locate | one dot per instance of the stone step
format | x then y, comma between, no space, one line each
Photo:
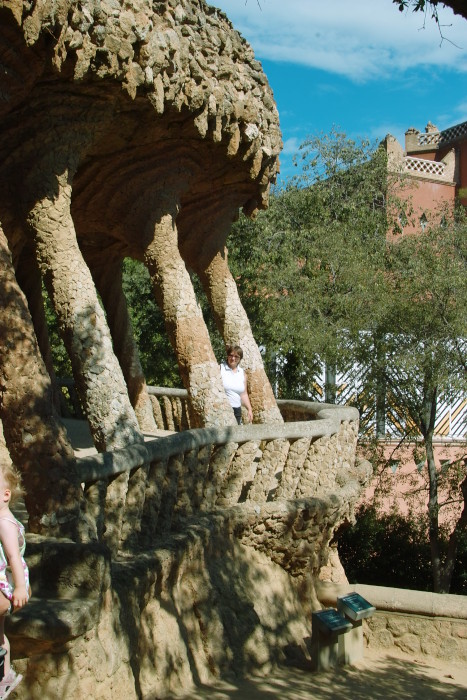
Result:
60,568
46,623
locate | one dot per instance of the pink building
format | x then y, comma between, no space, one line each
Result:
434,164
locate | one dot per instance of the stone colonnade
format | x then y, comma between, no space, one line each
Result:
99,341
138,130
126,131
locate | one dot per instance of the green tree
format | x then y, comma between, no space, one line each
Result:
422,357
391,549
60,359
431,6
321,282
310,266
156,354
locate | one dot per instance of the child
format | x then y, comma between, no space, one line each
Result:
14,574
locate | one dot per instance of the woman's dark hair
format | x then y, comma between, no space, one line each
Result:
234,348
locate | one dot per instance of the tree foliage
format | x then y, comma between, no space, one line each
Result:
60,358
302,267
431,6
424,355
156,354
323,282
390,549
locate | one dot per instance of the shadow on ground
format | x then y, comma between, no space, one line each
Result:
373,679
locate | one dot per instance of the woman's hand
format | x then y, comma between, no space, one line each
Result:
245,399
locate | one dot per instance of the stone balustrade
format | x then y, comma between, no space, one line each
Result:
198,470
424,167
171,413
441,138
220,565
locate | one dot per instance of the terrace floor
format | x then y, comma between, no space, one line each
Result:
378,676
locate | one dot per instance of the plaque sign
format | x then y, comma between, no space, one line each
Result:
355,607
331,621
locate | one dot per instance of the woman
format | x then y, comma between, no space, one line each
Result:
235,383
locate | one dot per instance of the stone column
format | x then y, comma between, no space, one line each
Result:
98,376
35,438
108,279
235,328
30,281
185,325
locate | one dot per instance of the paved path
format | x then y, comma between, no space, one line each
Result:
377,677
80,436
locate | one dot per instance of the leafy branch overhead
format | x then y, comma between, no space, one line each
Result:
459,7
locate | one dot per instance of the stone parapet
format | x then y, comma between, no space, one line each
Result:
403,600
433,139
419,635
276,465
411,622
219,583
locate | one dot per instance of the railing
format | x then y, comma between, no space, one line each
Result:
424,167
196,470
170,407
441,138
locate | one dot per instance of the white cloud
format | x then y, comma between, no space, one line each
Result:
379,131
360,39
461,110
291,146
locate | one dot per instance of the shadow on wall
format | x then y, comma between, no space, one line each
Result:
204,607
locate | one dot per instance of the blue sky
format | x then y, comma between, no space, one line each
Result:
358,65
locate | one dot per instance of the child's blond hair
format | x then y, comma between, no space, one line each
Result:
12,479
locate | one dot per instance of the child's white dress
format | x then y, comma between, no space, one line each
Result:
7,585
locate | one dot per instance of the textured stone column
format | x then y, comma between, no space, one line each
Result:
235,328
185,325
98,376
30,281
36,440
108,279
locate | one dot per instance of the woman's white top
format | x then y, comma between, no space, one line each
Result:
234,384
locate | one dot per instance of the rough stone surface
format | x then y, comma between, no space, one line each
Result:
189,611
139,129
129,113
209,591
423,636
35,440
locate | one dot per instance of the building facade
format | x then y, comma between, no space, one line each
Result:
434,164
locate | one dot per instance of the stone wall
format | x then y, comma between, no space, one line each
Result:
220,590
415,623
418,635
195,609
